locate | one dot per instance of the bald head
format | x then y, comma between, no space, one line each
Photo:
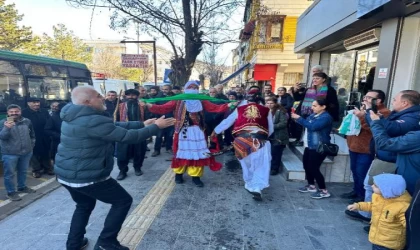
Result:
88,96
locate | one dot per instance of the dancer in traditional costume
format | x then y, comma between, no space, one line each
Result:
191,152
252,125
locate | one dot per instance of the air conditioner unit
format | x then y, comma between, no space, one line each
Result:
363,39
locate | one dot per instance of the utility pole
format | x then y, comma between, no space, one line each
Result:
154,54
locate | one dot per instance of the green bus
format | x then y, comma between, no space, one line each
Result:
49,79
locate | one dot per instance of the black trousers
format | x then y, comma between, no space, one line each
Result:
312,161
276,154
168,133
109,192
135,151
41,163
413,220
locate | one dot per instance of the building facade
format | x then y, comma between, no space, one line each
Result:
267,42
362,41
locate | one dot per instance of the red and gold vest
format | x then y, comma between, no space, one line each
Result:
251,116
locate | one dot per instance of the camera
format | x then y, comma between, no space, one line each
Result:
374,105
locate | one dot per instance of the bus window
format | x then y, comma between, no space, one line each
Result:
35,69
11,91
56,71
55,89
79,72
35,87
9,67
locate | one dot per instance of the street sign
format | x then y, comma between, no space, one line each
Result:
166,76
135,60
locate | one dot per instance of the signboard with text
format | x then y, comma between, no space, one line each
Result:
135,60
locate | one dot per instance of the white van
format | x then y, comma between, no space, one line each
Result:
105,85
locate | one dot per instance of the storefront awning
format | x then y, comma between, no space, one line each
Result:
236,73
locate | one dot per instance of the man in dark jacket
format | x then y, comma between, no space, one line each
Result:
168,132
40,161
85,160
412,217
53,129
111,102
131,111
17,138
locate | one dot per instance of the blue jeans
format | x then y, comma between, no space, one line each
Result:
12,163
359,165
368,195
109,192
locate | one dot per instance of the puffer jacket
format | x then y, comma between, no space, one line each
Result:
18,140
280,135
397,124
318,127
388,220
85,153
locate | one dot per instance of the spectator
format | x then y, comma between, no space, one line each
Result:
111,102
228,137
366,84
407,148
284,99
167,133
280,138
176,90
85,171
342,102
53,129
53,108
17,138
220,94
40,161
268,91
388,206
131,110
318,127
360,156
155,92
212,92
413,220
240,92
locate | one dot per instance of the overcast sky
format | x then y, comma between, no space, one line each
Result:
41,15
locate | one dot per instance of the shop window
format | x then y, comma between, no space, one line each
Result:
271,29
290,79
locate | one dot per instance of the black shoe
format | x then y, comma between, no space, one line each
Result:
366,229
85,243
116,246
356,216
350,195
256,196
36,174
121,176
14,196
156,153
26,190
198,182
356,200
147,149
179,179
138,172
274,172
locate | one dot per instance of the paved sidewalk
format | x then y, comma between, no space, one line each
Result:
222,215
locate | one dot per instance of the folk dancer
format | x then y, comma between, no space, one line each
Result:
191,152
252,125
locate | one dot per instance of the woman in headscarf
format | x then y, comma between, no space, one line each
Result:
190,148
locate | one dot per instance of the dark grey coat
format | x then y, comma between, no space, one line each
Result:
85,153
281,134
18,140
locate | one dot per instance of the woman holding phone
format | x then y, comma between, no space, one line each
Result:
317,130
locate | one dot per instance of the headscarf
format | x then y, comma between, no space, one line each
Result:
192,105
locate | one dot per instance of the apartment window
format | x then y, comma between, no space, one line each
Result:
271,29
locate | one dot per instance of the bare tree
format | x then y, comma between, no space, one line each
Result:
185,24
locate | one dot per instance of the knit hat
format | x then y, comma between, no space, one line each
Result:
132,92
391,185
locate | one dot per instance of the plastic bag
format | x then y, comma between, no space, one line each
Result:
350,125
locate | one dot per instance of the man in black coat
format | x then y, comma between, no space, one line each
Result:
40,161
111,102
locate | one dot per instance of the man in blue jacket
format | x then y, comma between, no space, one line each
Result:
407,148
84,162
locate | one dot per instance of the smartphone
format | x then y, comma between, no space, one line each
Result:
374,106
10,119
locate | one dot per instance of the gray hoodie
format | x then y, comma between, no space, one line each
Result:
18,140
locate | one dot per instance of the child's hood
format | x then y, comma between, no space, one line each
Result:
391,185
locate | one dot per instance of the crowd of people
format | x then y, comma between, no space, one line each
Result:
82,138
